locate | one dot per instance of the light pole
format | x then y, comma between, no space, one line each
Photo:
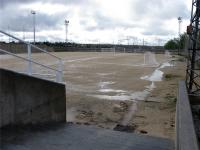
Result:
23,33
179,33
33,13
66,25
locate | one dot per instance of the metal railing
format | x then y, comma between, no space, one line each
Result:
58,72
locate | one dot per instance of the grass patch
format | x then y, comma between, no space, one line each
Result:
170,76
181,59
171,98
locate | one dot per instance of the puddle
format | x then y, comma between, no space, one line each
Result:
81,59
111,91
105,74
105,84
109,97
122,95
157,75
125,95
130,65
166,64
151,87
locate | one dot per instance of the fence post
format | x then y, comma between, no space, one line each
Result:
59,74
29,69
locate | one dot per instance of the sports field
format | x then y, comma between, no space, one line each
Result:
106,89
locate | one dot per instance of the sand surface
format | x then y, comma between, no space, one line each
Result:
106,89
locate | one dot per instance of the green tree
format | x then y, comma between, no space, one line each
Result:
177,43
171,44
183,40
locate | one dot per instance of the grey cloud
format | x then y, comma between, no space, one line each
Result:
160,9
18,20
160,32
4,3
155,11
50,38
103,22
157,28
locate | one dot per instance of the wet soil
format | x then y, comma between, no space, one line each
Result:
106,90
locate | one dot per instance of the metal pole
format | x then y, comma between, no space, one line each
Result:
34,26
33,13
179,33
59,75
66,26
143,42
23,34
194,46
9,36
29,62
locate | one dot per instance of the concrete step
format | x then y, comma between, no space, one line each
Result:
79,137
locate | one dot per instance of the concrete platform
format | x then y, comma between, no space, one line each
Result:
78,137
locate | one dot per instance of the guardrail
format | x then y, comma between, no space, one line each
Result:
58,72
186,138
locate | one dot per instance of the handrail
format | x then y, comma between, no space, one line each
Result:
58,71
26,59
27,43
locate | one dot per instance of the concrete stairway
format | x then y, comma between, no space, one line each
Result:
79,137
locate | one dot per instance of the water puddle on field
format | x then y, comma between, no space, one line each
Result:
106,74
105,84
157,75
123,95
114,97
111,91
119,94
80,59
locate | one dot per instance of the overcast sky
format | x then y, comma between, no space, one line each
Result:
104,21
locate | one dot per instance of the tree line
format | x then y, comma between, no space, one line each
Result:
177,43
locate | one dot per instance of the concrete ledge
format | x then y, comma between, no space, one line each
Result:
186,138
29,100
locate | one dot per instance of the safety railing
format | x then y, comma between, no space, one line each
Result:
58,71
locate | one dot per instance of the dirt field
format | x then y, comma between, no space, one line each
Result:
109,90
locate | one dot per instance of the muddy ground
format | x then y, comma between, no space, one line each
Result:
109,90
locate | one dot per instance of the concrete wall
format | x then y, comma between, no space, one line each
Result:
186,138
29,100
